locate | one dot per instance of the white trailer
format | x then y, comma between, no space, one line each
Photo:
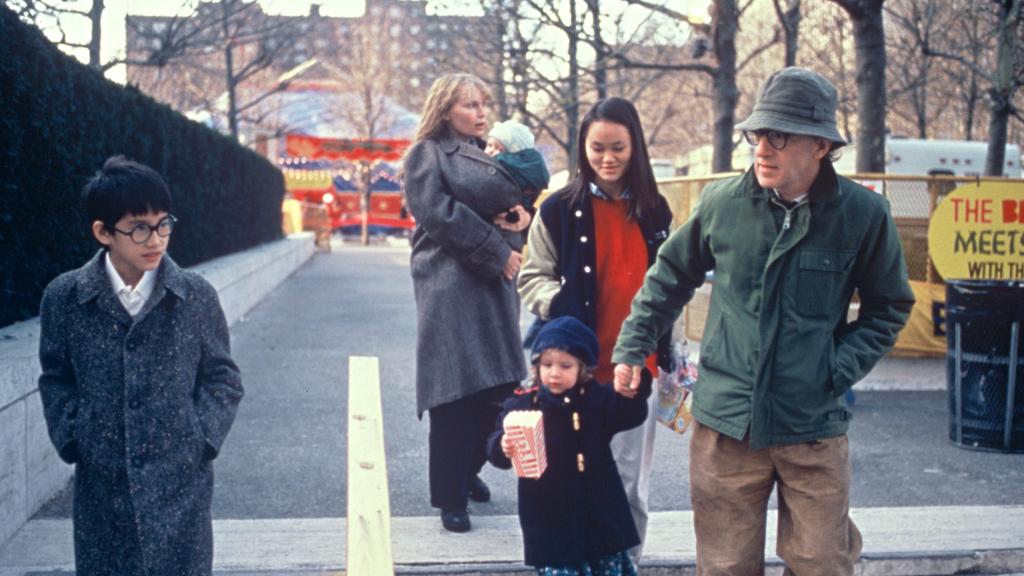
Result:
913,157
902,156
927,157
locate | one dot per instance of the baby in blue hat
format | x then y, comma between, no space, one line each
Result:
512,145
575,518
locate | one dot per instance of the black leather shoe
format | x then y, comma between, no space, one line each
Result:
455,520
477,490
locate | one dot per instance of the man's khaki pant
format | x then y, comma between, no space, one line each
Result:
730,488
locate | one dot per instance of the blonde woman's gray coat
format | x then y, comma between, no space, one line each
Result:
467,312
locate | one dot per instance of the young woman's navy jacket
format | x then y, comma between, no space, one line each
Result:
570,516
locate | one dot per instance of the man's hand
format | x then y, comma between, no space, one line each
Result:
627,379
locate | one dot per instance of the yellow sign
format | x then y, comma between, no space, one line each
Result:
977,232
308,179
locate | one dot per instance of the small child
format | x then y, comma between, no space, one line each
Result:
511,144
138,386
575,517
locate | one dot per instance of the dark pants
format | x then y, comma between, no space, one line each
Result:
458,437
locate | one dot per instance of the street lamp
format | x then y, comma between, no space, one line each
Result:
698,15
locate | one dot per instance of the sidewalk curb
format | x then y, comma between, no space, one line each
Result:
923,541
896,564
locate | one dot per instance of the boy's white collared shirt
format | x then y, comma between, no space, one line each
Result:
133,299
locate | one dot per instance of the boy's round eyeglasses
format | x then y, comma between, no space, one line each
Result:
141,232
776,139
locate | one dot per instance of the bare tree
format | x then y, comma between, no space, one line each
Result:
250,44
560,84
600,66
370,74
917,23
1004,77
501,52
827,46
55,16
969,35
725,94
226,58
550,65
1008,77
869,39
789,18
562,54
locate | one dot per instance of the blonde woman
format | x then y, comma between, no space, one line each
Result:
464,262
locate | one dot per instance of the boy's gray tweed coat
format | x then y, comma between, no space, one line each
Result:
467,313
148,401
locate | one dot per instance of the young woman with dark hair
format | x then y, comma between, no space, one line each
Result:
589,250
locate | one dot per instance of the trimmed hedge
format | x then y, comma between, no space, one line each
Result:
59,121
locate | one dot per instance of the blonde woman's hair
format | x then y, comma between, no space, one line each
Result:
442,96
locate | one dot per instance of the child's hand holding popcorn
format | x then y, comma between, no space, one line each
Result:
508,447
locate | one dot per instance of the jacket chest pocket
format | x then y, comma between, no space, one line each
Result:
820,280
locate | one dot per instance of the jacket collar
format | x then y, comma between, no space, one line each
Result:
545,397
93,283
472,148
824,189
451,142
596,191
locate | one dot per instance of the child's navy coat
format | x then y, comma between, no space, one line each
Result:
569,517
141,407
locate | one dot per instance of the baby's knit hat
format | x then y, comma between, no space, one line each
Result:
567,334
513,136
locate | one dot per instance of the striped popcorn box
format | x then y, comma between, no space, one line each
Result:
525,429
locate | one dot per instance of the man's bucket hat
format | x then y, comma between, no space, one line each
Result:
796,101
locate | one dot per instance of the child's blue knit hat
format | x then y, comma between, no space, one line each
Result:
569,335
514,136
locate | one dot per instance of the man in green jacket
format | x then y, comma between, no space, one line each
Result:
790,243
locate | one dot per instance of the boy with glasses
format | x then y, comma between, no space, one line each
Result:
138,386
790,242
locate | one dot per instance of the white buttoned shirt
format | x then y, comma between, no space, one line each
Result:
132,298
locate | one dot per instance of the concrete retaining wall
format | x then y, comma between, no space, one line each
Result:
30,471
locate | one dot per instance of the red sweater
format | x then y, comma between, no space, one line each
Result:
621,261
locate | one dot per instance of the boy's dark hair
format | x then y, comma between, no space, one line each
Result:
643,191
124,187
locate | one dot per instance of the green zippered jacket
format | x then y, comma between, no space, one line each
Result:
778,353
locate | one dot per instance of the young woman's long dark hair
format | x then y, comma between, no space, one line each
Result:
639,177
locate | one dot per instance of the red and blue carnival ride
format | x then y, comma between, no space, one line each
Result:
322,171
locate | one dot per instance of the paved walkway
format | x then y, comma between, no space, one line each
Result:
897,541
925,507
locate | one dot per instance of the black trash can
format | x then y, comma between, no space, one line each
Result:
985,364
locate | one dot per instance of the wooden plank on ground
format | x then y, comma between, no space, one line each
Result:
369,510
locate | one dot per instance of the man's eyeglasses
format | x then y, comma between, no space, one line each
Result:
776,139
141,232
